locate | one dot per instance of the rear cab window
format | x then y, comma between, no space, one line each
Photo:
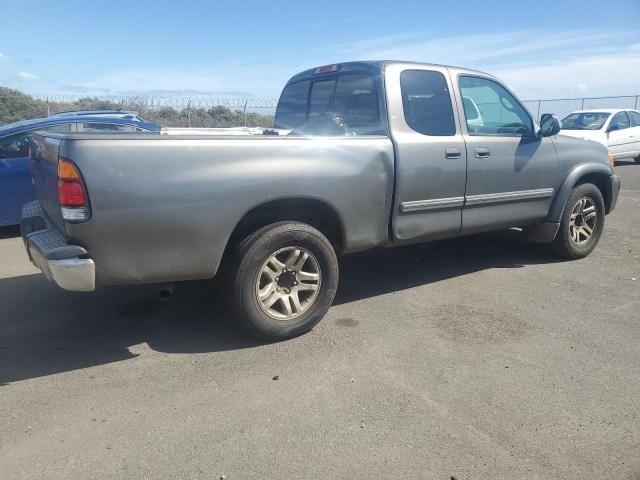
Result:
321,97
426,102
344,103
292,107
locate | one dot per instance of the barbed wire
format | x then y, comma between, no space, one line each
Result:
178,102
202,101
559,106
267,106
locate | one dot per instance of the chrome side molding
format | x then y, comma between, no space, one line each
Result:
435,204
509,196
456,202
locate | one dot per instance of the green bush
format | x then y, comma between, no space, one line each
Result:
15,106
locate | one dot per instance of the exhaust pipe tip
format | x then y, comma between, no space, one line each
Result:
165,293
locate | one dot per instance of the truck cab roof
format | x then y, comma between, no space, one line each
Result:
366,66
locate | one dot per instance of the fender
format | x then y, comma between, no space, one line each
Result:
570,180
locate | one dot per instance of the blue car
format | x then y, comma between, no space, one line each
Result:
16,187
128,114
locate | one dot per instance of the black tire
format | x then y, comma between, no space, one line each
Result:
566,247
637,160
249,259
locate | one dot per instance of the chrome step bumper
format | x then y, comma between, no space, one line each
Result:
65,265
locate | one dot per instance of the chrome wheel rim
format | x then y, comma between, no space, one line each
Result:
582,222
288,283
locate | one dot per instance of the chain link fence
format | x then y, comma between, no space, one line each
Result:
207,111
168,111
181,111
177,102
564,106
264,108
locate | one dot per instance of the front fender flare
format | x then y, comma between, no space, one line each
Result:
570,181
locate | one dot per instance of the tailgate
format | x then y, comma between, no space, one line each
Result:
44,169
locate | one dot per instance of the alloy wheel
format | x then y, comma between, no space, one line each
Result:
582,222
288,283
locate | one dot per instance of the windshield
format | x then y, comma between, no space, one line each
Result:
585,121
346,104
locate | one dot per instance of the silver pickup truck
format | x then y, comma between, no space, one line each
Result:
362,155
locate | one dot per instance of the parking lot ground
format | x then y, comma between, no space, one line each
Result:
480,357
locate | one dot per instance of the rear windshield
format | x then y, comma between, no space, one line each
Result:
348,104
585,121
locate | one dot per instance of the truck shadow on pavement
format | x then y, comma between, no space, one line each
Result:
44,330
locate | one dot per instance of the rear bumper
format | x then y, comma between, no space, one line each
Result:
68,266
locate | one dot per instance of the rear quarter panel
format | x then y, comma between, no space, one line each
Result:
164,208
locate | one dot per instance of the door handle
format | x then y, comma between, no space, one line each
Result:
452,153
482,152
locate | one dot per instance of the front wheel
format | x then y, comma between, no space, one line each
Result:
284,280
582,223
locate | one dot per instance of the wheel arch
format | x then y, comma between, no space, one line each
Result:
312,211
595,173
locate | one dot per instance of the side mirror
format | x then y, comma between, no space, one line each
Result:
613,128
549,125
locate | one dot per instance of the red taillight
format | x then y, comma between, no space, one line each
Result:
71,194
70,188
30,161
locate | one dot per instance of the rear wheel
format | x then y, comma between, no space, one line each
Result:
582,223
284,280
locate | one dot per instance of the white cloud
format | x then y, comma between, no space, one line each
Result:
239,78
598,75
535,63
28,76
160,79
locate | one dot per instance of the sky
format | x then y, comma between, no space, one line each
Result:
541,49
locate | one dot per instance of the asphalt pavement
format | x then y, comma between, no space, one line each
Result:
479,357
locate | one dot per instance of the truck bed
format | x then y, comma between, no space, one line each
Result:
179,197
